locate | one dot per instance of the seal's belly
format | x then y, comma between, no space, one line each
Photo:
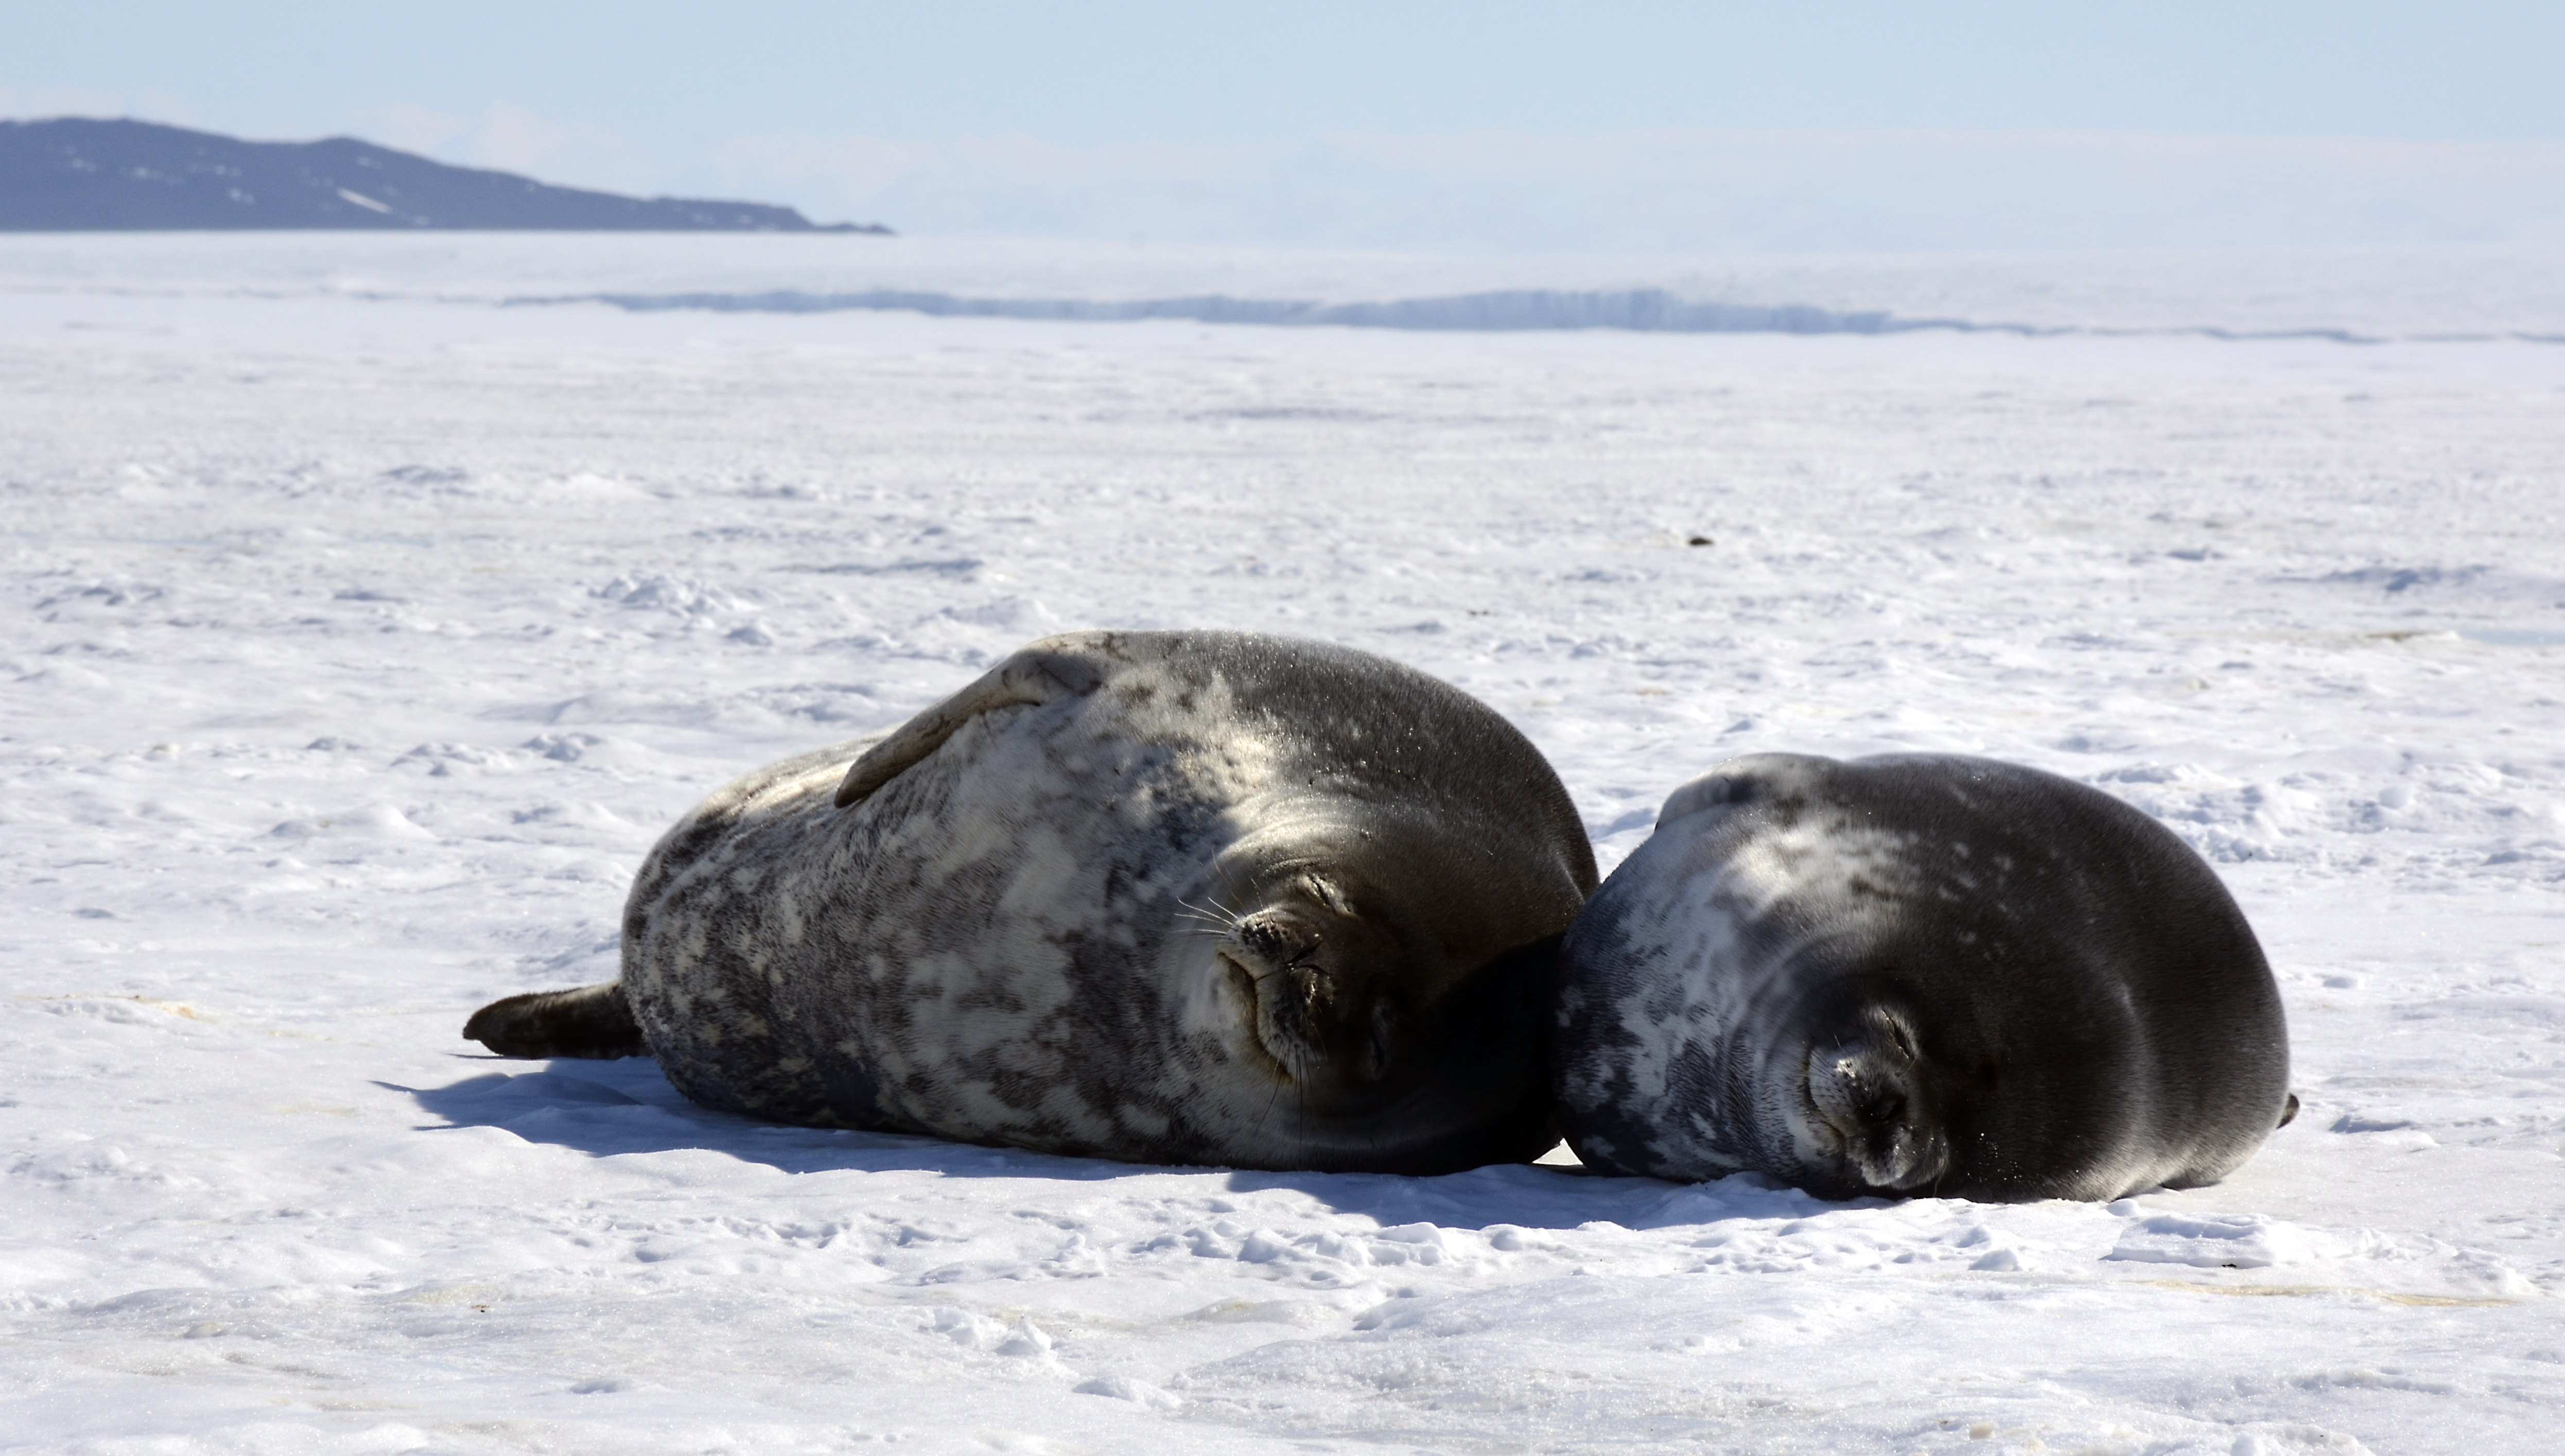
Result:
981,952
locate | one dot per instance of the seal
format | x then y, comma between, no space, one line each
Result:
1178,897
1916,975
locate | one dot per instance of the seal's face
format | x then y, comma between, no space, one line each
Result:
2007,1071
1308,972
1366,1023
1866,1111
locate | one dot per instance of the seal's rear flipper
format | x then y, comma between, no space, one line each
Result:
2289,1114
593,1020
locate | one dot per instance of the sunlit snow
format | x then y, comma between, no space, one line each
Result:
365,632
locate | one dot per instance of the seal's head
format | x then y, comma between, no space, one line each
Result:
1916,975
1380,1000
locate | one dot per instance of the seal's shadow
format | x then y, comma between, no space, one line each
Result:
626,1106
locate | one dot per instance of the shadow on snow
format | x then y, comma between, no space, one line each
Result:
612,1109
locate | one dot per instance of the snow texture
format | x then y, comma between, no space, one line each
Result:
362,639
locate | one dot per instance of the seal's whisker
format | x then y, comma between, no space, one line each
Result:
1214,911
1271,1101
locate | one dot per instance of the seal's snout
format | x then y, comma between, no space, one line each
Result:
1273,958
1295,1005
1864,1091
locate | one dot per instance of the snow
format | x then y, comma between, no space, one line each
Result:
364,636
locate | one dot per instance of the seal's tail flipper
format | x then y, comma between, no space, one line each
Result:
593,1020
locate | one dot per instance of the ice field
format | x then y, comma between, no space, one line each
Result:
363,633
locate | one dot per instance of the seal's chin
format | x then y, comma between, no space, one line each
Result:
1863,1118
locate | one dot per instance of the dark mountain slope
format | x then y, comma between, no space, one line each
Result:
75,174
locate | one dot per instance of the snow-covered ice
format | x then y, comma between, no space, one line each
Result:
363,637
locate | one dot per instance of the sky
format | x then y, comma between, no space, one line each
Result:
1634,127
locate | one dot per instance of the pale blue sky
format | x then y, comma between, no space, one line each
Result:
939,109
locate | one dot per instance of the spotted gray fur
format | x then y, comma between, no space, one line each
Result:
1202,897
1917,974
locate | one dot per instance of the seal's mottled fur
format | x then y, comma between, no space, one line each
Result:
1917,974
1204,898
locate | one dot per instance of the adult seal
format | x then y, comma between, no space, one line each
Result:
1917,975
1197,898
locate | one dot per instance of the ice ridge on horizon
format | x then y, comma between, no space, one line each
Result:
1643,310
1636,309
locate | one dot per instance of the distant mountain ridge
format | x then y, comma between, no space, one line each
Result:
75,174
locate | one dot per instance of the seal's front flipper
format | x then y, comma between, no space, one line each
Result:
593,1020
1046,671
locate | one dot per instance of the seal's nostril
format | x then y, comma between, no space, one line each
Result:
1317,991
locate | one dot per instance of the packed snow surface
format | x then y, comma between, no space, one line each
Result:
362,639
